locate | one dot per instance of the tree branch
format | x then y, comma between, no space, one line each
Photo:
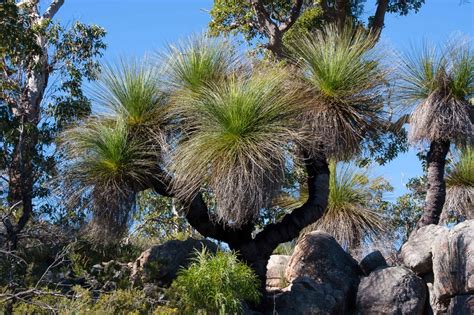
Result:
53,9
199,217
379,17
292,223
294,15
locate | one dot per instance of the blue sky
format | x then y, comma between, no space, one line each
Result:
136,27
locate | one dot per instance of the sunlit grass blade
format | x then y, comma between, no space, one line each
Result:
106,162
197,62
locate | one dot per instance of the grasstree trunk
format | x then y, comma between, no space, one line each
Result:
256,251
436,193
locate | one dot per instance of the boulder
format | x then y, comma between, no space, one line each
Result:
434,306
306,297
372,261
391,290
319,257
416,253
276,267
461,305
159,264
453,262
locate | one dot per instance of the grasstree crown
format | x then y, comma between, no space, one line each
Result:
460,186
237,127
346,82
440,83
110,154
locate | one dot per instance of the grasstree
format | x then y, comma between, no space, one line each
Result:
223,133
460,187
439,82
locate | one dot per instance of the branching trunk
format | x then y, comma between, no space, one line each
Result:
436,193
256,251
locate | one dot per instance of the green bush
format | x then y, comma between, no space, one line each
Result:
214,284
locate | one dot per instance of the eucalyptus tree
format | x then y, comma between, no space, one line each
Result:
224,132
271,24
42,68
440,84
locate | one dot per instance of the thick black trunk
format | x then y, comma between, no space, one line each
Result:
258,250
436,193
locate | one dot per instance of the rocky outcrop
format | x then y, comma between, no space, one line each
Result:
318,257
391,290
417,252
372,261
276,267
453,262
159,264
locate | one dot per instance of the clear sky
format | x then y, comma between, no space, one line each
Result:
136,27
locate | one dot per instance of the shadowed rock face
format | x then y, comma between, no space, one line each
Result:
391,290
159,264
372,261
461,305
319,258
453,262
417,252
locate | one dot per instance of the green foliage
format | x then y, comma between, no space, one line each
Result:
345,80
461,170
405,213
160,218
232,17
197,62
67,57
309,21
215,285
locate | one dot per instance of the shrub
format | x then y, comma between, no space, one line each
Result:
214,284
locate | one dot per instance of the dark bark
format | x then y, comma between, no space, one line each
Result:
379,17
436,193
257,251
